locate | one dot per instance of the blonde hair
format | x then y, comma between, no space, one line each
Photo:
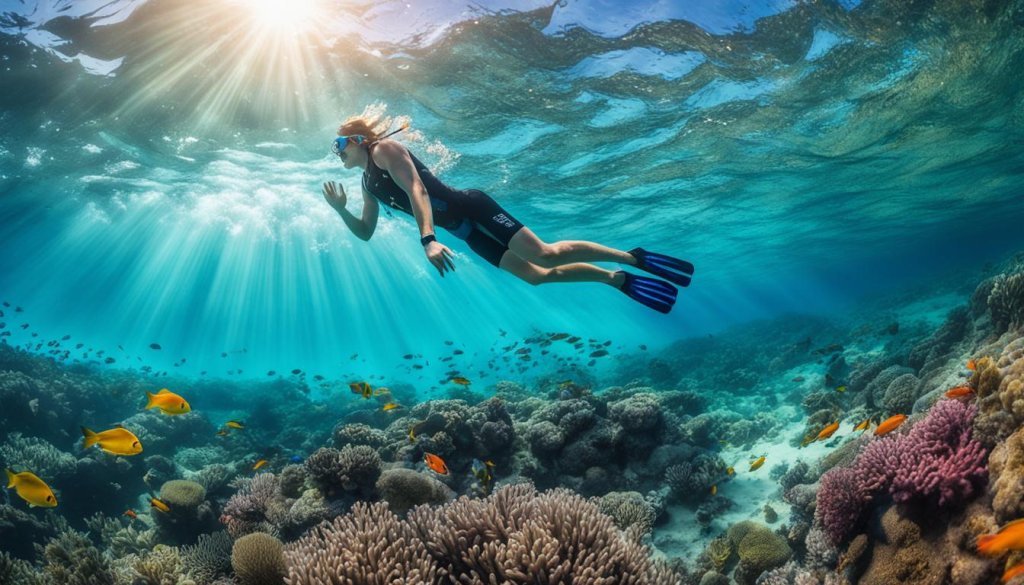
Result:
372,123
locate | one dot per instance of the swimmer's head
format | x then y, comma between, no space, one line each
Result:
353,137
356,134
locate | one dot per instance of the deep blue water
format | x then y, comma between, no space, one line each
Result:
160,166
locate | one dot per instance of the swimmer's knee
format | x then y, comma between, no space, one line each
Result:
535,276
547,255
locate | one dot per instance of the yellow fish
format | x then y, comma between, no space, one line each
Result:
116,441
30,488
259,464
757,463
841,388
361,388
235,424
412,434
222,433
159,505
168,402
391,406
714,490
730,471
863,425
381,391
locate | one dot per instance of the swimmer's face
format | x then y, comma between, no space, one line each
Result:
353,154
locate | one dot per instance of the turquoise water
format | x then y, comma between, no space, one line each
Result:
844,175
161,165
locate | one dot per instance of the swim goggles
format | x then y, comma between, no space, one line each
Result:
341,142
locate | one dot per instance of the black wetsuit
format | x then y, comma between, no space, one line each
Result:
470,215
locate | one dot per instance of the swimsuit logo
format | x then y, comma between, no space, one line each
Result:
503,220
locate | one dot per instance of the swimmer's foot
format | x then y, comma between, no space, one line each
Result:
656,294
671,269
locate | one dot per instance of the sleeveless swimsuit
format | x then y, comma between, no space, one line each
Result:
470,215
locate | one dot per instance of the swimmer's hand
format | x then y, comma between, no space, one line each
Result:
440,256
334,193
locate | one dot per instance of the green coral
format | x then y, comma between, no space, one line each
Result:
718,552
258,559
182,493
759,549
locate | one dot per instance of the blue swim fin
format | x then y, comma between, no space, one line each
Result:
656,294
671,269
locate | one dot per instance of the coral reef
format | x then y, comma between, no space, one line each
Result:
404,489
189,513
630,511
71,559
246,511
1006,301
759,549
693,479
208,559
351,469
517,534
258,559
937,460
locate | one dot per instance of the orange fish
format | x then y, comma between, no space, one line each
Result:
435,463
131,514
890,424
168,402
1009,537
960,392
972,365
1014,571
259,464
827,431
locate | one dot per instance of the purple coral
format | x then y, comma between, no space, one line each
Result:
937,460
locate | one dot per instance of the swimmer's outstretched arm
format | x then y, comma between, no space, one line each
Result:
364,227
394,158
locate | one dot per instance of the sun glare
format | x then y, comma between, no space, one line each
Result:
283,14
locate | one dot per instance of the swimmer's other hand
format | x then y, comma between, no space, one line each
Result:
334,193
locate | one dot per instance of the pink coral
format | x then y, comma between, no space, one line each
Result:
937,460
939,457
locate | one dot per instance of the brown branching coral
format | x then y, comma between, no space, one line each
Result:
368,545
514,536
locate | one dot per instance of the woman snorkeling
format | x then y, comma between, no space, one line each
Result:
393,176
